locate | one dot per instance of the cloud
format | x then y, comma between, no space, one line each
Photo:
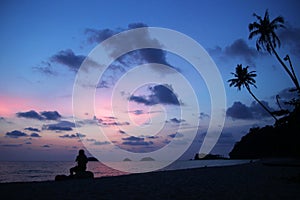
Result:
16,134
71,136
66,58
99,35
177,121
32,129
290,36
60,126
284,96
137,112
111,121
69,59
133,138
160,94
34,135
45,115
51,115
136,141
203,115
136,57
178,135
101,143
45,68
80,135
238,49
46,146
241,111
30,114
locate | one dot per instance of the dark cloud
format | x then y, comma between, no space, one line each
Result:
285,96
32,129
122,132
178,135
16,134
99,35
90,140
258,111
203,115
136,57
46,146
71,136
80,135
103,84
238,49
111,121
68,59
136,141
137,112
101,143
290,37
133,138
30,114
241,111
45,68
34,135
51,115
177,121
45,115
60,126
160,94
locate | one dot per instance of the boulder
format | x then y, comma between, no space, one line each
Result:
78,175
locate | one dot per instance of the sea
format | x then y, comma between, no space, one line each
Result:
34,171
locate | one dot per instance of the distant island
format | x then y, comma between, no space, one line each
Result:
147,159
208,157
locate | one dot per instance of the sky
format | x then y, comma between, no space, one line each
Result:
145,100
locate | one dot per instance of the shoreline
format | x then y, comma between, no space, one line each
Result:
244,181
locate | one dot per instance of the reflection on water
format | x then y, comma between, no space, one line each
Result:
46,171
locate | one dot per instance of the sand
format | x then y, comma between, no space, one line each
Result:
245,181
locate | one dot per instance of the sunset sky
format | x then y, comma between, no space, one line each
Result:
44,43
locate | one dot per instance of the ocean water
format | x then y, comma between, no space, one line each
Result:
47,170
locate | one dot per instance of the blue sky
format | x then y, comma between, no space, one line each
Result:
44,42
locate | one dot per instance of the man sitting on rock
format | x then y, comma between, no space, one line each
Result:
81,160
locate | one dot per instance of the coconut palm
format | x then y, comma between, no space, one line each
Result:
268,40
243,78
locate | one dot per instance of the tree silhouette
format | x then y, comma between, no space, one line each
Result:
243,78
268,40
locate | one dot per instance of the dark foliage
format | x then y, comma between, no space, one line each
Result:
280,140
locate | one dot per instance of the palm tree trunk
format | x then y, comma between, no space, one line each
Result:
294,78
260,103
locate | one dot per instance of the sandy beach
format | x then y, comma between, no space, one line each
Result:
244,181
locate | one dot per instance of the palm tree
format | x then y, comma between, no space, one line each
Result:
243,78
267,39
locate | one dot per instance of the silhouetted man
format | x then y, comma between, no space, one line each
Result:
81,160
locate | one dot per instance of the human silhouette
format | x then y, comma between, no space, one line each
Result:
81,160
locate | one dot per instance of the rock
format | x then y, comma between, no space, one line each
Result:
79,175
